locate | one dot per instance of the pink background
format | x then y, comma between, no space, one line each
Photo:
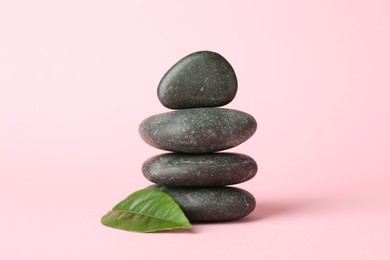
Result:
77,78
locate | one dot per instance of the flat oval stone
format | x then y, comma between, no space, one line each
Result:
198,130
199,170
201,79
212,203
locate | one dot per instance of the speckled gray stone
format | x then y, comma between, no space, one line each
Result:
212,203
199,170
198,130
201,79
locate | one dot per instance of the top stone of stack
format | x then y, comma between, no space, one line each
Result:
201,79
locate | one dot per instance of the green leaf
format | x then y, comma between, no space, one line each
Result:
146,211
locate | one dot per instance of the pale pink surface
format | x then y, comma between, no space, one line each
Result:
77,77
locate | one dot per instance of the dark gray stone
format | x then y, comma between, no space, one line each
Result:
201,79
198,130
199,170
211,204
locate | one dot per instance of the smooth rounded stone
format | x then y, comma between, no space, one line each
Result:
211,203
199,170
198,130
201,79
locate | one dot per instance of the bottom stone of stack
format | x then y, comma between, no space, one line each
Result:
211,204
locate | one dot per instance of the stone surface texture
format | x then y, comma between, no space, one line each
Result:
198,130
201,79
212,203
199,170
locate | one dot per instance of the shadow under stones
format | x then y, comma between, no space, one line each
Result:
265,210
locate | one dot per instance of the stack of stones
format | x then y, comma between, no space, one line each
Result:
195,174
